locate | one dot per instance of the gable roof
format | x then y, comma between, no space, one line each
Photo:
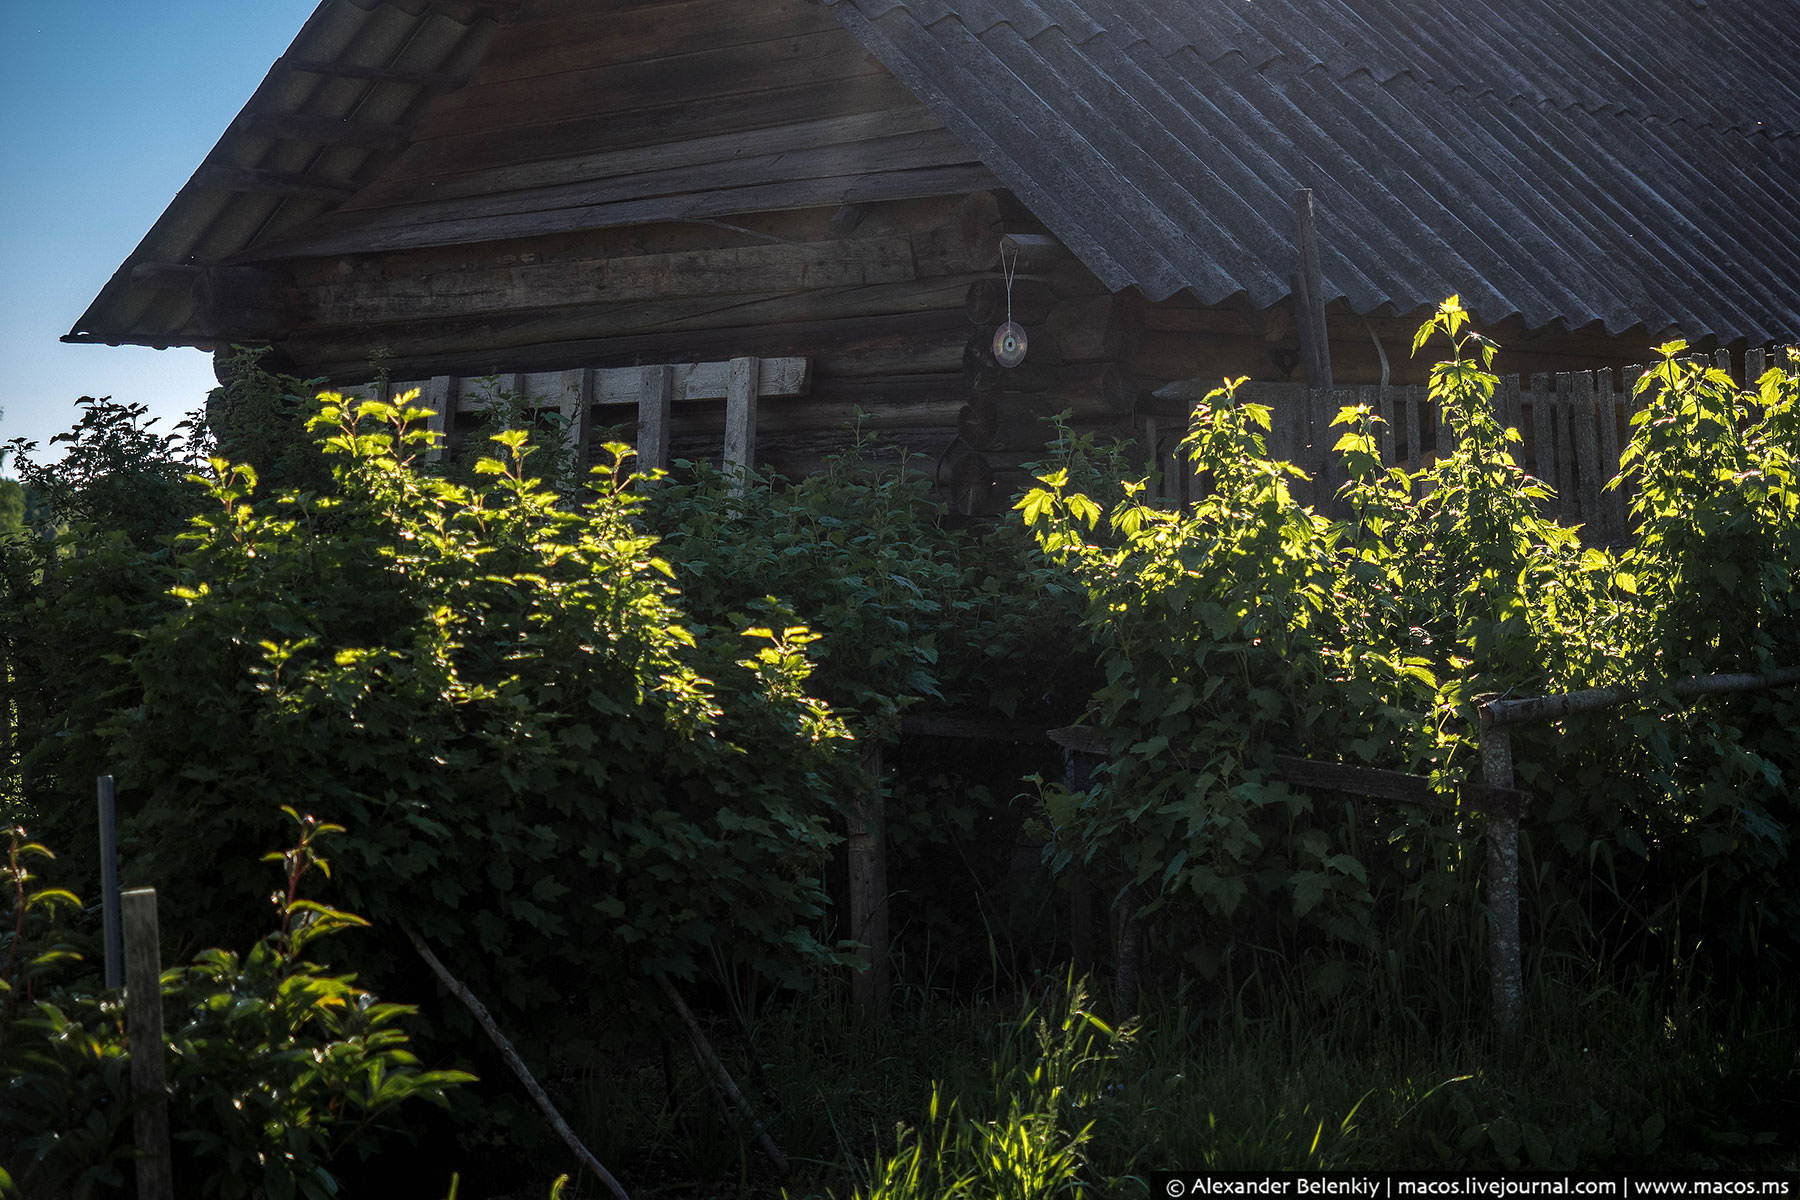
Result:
1629,162
1621,161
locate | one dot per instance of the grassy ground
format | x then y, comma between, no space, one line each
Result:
931,1101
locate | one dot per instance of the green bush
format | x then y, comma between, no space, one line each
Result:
275,1067
1248,625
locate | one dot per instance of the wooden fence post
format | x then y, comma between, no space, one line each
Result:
144,1028
867,852
740,421
1501,877
654,402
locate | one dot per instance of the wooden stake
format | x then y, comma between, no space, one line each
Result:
144,1027
721,1077
1501,879
480,1013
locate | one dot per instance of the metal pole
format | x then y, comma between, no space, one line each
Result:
109,888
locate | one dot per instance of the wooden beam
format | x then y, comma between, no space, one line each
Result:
272,183
1031,251
434,80
325,131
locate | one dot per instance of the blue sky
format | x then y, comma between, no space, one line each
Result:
106,108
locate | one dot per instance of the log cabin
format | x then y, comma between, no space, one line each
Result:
731,226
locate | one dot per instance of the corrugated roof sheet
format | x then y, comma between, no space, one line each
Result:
1622,161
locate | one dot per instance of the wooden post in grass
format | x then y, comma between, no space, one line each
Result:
1501,877
144,1028
867,853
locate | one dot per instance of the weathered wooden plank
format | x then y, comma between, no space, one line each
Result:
387,230
884,152
1590,473
1562,407
1755,363
740,418
1506,400
657,392
400,186
1415,400
1634,400
575,402
1612,504
1384,408
440,396
1031,302
1543,432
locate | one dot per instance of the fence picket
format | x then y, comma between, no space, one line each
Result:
1613,501
1543,437
1415,399
1587,448
1384,408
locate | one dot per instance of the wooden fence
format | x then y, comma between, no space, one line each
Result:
1573,426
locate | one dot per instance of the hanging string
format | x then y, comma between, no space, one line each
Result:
1009,273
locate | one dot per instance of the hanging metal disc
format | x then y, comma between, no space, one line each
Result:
1010,344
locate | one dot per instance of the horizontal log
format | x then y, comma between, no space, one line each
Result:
1552,708
733,271
1093,328
388,230
1376,783
401,185
727,167
987,302
1028,253
838,347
